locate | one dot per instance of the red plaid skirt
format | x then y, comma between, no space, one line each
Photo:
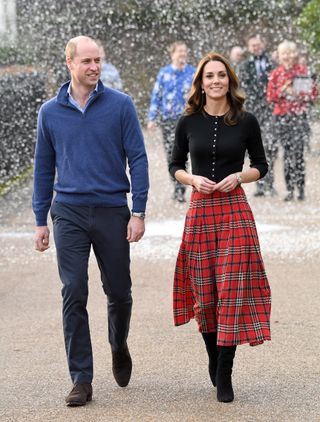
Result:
220,278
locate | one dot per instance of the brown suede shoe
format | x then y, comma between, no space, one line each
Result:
122,366
79,395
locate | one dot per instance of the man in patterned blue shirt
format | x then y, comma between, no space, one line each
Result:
168,100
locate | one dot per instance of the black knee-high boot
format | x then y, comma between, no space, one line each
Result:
210,340
224,370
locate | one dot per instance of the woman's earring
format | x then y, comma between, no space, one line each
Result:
202,91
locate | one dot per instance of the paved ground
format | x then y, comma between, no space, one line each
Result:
278,381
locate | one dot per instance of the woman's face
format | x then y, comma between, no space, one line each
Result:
215,80
286,56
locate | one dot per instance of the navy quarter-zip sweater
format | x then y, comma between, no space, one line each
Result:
88,153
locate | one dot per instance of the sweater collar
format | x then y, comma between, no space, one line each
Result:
91,93
63,93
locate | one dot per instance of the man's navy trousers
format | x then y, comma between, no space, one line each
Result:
76,229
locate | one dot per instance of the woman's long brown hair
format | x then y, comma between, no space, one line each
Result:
197,100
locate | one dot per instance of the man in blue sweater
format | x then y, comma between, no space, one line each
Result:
86,135
168,100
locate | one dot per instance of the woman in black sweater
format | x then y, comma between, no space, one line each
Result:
220,278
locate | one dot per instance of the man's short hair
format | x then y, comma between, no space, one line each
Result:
71,46
255,35
174,45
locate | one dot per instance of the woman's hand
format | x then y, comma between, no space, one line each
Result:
227,184
203,184
287,89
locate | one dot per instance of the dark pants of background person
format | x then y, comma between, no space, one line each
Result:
271,148
168,128
292,131
76,229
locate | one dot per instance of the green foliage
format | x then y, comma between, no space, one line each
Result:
309,23
14,55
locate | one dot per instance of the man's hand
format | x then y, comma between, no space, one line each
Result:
203,184
135,229
151,125
41,238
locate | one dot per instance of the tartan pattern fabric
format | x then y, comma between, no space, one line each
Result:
220,278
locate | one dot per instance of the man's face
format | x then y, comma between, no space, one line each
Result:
85,67
236,55
179,56
255,46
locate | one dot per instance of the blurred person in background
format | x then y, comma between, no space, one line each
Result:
253,75
275,57
291,91
220,278
168,100
312,111
236,57
110,76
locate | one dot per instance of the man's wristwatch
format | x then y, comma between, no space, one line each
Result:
239,179
141,215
